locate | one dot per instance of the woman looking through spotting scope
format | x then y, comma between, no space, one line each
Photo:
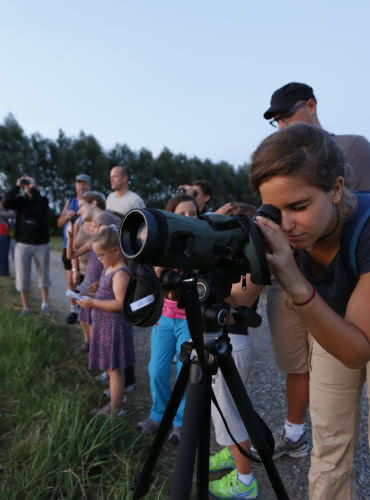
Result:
301,171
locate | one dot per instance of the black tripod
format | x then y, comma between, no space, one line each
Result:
196,373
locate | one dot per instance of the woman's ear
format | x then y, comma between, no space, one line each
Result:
338,190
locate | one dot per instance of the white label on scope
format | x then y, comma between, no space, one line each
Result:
139,304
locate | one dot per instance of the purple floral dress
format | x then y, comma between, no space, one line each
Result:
112,345
93,272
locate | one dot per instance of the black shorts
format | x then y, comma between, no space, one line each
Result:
66,262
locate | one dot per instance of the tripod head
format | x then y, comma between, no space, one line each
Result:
213,288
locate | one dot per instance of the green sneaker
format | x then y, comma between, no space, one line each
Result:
229,486
223,460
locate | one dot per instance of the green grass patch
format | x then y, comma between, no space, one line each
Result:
56,243
51,448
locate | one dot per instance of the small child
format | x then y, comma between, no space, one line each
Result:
111,346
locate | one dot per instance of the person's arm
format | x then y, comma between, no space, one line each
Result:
65,215
120,282
73,252
348,338
247,297
11,199
226,209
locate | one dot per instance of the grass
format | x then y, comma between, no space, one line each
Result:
56,243
51,448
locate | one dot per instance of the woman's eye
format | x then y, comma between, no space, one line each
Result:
299,208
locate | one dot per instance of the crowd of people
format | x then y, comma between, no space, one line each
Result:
317,305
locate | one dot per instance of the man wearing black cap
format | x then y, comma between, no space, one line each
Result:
296,102
69,213
292,103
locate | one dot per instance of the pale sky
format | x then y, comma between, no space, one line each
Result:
192,76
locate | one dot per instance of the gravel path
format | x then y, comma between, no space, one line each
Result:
266,390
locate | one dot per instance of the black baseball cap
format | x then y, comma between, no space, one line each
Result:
285,97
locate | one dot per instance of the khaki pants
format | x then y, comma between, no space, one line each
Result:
23,256
335,393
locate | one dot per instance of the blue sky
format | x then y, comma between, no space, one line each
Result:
193,76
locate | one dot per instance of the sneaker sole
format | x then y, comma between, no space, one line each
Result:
230,467
234,498
300,453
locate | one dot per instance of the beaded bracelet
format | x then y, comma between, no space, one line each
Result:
306,301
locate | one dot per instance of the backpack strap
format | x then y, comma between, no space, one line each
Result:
352,230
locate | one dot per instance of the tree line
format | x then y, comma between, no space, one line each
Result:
55,163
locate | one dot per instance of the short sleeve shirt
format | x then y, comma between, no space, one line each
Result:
123,204
336,283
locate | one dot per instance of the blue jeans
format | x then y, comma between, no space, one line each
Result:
167,336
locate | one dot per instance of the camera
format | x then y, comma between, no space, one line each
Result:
215,250
233,243
25,182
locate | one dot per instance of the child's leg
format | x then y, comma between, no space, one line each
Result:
182,335
162,351
116,386
242,463
85,327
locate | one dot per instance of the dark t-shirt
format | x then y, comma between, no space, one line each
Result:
31,222
356,150
337,282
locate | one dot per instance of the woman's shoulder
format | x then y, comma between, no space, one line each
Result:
363,249
120,271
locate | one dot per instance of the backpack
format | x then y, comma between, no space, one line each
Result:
352,230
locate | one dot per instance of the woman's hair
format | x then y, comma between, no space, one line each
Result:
107,218
305,151
107,238
96,196
176,200
241,208
205,186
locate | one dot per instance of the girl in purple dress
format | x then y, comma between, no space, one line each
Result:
111,346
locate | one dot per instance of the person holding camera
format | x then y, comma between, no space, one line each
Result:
301,171
201,191
32,238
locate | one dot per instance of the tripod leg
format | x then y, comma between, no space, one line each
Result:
143,480
254,425
204,443
194,415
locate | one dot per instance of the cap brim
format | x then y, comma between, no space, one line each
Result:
271,112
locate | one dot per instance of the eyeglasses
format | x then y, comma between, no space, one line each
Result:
282,117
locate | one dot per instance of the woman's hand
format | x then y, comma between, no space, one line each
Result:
86,302
93,288
279,255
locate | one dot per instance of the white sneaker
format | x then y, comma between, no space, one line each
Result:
103,378
107,394
45,310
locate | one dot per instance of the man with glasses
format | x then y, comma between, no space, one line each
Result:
296,102
292,103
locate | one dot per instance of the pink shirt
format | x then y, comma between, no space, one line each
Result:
170,310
